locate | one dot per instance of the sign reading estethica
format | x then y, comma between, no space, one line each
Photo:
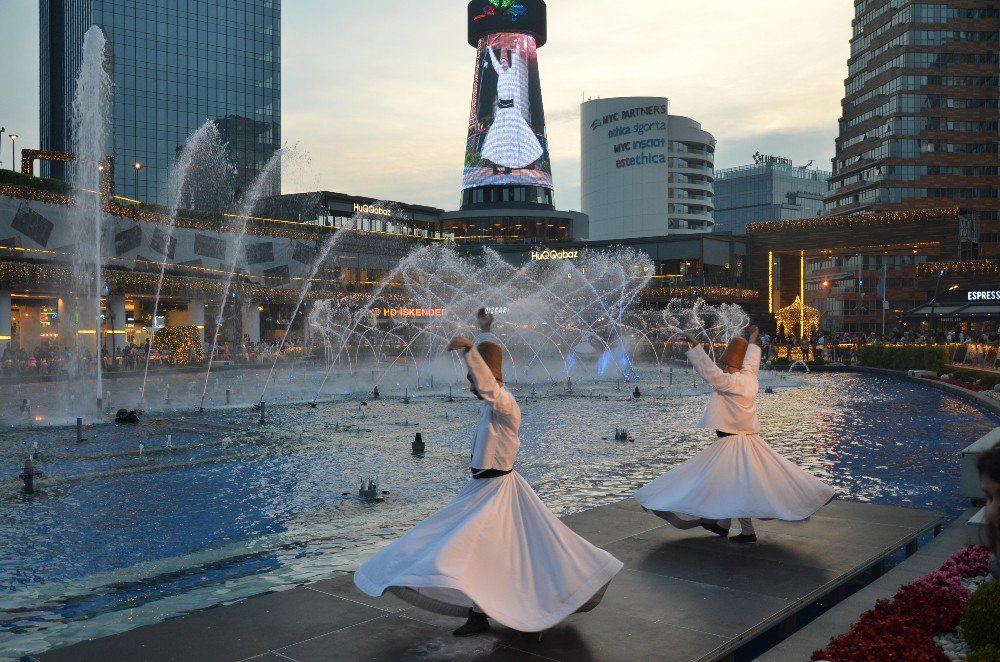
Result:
547,254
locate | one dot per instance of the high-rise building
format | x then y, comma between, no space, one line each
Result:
174,64
772,189
919,125
644,173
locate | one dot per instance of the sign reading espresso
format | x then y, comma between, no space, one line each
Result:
984,295
554,255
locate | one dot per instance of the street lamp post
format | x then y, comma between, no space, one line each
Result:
13,140
138,167
3,130
934,325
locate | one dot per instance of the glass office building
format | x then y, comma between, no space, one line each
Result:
919,124
174,64
773,190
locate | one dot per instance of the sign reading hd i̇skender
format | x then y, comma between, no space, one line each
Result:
507,142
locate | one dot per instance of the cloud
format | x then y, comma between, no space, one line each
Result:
378,92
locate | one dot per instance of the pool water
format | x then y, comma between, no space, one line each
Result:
233,509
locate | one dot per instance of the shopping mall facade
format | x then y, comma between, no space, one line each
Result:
652,192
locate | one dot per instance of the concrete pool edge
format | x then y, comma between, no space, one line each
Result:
687,594
840,617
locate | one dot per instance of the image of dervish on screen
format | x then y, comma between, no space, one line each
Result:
507,142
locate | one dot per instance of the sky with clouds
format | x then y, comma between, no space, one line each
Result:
376,93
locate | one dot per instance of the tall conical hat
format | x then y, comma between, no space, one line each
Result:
735,352
493,356
484,320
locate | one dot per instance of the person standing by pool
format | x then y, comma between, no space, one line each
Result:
495,550
739,476
988,465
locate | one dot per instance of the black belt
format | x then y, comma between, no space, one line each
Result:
505,103
720,433
488,473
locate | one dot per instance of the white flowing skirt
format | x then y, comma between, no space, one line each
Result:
498,546
510,142
738,476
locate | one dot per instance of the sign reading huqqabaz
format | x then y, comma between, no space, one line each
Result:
548,254
507,142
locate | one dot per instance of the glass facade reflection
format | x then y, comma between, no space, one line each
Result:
175,64
767,192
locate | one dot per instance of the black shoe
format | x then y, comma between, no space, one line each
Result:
477,624
715,528
744,537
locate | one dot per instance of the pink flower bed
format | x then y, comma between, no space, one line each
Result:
969,386
903,628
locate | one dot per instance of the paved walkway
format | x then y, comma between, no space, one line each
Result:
683,595
841,617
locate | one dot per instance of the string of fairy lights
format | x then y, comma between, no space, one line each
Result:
856,221
798,313
713,292
181,342
959,267
195,220
14,275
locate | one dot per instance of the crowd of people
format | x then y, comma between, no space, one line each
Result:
45,359
48,359
847,346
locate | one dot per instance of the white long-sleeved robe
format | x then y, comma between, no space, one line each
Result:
510,141
738,475
732,406
495,545
496,442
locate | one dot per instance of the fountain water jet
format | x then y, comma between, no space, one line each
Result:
318,262
249,201
203,145
90,138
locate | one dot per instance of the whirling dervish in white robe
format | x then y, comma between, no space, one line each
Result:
510,141
738,476
495,550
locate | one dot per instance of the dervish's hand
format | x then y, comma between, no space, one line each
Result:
459,342
754,334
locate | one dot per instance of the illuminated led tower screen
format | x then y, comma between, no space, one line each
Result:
507,143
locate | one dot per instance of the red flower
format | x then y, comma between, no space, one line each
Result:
902,629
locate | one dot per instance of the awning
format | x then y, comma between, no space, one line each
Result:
973,309
964,311
939,309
